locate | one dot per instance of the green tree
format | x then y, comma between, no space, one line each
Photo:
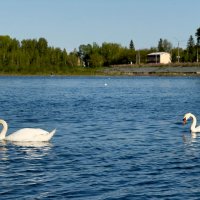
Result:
5,42
73,59
111,53
84,53
197,34
127,56
190,51
96,60
167,45
131,45
42,46
164,45
198,43
160,45
190,44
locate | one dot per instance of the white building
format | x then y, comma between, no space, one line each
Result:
159,57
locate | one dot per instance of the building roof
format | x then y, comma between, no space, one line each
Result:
157,53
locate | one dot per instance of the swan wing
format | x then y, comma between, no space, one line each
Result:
30,134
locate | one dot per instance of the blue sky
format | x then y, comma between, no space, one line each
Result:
70,23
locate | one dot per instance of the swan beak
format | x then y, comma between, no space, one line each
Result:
184,121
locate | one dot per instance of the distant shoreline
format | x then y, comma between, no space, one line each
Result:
122,70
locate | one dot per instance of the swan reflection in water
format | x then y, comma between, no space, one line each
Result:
3,154
30,150
193,137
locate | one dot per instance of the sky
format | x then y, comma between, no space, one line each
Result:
70,23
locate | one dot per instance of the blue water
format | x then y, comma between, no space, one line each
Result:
117,138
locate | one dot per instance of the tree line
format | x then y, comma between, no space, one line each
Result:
111,53
36,56
32,56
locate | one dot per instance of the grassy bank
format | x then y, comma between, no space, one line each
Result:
67,71
116,70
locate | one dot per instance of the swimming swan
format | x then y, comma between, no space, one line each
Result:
26,134
193,127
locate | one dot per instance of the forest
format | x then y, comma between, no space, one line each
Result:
35,56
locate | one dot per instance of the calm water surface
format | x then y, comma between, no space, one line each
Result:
117,138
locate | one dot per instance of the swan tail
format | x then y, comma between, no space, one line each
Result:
51,134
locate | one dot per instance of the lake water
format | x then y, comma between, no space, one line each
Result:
117,138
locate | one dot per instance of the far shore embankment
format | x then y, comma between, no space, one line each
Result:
178,69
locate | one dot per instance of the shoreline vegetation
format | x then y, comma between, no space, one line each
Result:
176,69
36,57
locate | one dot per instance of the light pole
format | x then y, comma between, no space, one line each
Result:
178,49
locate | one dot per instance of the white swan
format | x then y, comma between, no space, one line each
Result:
193,127
26,134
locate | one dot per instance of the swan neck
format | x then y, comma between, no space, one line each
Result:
4,130
194,122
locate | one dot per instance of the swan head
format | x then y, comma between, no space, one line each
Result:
186,117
